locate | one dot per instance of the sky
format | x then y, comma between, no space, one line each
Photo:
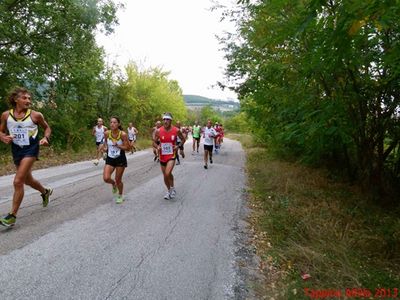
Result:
178,36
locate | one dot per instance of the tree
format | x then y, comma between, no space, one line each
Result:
321,81
49,46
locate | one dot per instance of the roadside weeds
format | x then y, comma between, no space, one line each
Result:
316,235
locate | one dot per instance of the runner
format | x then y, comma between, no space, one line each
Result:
19,127
209,134
167,135
155,149
180,142
218,129
116,143
222,134
132,135
196,133
98,132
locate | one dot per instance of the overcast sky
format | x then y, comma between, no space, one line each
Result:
176,35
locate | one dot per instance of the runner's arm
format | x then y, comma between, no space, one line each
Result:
125,146
7,139
104,146
38,118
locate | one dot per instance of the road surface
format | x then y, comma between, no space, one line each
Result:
84,246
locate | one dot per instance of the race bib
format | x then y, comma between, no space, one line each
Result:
21,136
167,149
114,151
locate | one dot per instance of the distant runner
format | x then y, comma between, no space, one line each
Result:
196,133
98,133
155,149
132,136
180,149
209,134
167,135
218,129
116,143
19,127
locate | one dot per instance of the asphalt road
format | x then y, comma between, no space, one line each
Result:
84,246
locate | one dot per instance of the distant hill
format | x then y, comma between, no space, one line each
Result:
196,102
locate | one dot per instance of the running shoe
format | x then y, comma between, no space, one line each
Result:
178,163
119,199
172,192
8,220
96,162
167,196
205,167
114,190
155,158
211,161
183,155
46,196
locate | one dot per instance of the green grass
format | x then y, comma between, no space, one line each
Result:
308,223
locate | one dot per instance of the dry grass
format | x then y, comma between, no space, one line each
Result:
305,223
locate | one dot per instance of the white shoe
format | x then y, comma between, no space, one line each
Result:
96,162
167,196
172,193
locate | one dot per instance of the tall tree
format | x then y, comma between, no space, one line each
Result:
321,80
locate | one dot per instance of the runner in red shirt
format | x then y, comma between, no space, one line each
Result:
167,136
218,129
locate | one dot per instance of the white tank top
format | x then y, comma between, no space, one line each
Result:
99,133
21,129
114,151
131,133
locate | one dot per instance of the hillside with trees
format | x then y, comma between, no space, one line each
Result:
195,101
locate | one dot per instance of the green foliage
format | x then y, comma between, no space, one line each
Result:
142,96
237,123
49,47
208,113
320,79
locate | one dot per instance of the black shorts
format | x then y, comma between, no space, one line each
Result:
164,164
208,148
99,143
119,161
197,139
31,150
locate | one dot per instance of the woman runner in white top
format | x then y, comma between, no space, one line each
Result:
116,143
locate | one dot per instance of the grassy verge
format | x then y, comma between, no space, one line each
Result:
50,157
317,234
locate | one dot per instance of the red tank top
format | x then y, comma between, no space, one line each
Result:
167,143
